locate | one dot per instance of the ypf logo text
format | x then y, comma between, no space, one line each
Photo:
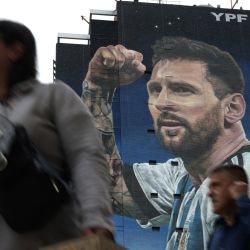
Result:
228,17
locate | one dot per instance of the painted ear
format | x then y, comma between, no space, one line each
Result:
16,51
235,107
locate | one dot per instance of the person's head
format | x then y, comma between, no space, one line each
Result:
18,49
195,91
220,181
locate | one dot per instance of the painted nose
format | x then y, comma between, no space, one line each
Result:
164,102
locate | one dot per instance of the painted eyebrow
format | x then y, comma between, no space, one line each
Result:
150,82
184,85
174,84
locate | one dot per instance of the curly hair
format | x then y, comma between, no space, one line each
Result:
222,71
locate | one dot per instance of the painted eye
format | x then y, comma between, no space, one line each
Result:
182,90
154,88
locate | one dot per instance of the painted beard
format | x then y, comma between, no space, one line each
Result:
196,140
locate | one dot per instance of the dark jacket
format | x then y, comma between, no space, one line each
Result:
236,237
61,127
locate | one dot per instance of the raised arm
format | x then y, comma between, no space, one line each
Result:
111,67
239,192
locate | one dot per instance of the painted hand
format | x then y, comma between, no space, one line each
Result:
114,66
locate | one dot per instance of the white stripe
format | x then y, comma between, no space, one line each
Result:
235,160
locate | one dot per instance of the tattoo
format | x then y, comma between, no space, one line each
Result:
115,164
108,142
127,194
123,204
99,102
98,105
117,207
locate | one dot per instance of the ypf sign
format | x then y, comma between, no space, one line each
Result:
229,17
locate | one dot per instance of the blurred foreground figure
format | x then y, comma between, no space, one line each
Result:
61,128
228,189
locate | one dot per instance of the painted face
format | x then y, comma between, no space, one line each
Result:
219,184
186,113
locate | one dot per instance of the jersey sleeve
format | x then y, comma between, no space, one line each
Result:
153,187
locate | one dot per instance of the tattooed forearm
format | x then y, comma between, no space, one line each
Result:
123,204
99,102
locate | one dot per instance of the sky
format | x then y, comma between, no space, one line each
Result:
48,18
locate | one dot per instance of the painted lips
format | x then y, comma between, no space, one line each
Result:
170,124
171,127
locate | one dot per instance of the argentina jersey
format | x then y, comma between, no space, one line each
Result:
186,209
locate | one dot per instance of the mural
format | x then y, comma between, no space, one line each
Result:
170,102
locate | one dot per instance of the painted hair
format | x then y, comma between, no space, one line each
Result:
222,71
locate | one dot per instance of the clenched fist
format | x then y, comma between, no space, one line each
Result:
112,66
